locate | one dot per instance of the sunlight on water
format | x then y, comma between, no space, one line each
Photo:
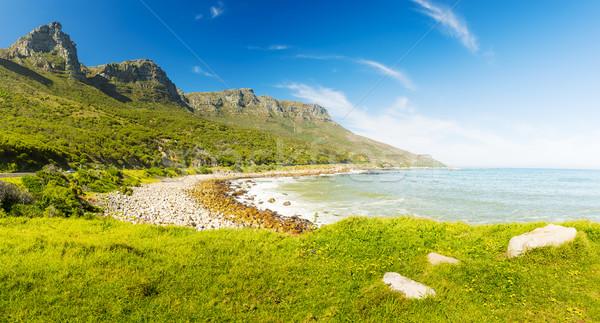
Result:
473,196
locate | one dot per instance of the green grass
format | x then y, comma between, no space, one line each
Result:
55,269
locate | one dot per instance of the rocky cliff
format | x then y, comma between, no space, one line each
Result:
46,47
143,73
244,101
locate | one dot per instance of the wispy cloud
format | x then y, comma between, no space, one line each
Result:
379,67
403,79
336,102
198,70
451,23
274,47
278,47
198,16
455,143
216,11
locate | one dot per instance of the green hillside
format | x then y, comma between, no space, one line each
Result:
47,116
293,119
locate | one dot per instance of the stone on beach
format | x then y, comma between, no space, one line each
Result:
436,259
550,235
164,203
407,286
288,203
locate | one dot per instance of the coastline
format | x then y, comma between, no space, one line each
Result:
177,202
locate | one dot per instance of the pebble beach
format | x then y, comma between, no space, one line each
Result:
171,202
165,203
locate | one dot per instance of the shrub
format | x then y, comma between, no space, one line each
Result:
32,183
204,170
22,210
10,195
126,191
154,171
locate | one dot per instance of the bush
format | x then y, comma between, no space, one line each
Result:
10,195
22,210
126,191
204,170
173,172
32,183
56,194
154,172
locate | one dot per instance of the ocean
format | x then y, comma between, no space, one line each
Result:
475,196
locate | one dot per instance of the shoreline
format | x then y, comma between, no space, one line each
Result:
172,201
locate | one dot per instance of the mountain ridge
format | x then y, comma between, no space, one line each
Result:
214,103
142,82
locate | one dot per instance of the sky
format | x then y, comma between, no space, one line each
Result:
497,83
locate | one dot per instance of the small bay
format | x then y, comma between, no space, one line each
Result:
475,196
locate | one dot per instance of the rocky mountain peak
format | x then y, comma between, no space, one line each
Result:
143,72
244,101
47,47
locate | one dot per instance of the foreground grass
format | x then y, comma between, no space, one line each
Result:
102,269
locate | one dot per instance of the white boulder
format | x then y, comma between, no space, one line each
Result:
550,235
436,259
407,286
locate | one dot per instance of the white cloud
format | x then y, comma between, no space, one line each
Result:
335,101
198,70
381,68
454,143
198,16
272,47
452,24
403,79
278,47
216,11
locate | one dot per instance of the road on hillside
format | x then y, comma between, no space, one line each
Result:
4,175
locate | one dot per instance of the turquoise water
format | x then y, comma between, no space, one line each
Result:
475,196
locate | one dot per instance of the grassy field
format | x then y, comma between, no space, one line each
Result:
54,269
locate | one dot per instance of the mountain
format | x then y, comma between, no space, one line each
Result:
310,122
46,47
140,78
54,109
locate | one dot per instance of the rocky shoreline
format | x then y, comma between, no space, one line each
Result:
164,203
178,202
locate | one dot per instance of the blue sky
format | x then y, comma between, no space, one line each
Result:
487,84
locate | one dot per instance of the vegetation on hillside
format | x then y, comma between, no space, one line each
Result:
319,130
53,118
105,270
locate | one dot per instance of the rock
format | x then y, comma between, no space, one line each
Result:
436,259
164,203
141,72
271,200
244,101
550,235
288,203
407,286
47,47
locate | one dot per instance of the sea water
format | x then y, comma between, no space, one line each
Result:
475,196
